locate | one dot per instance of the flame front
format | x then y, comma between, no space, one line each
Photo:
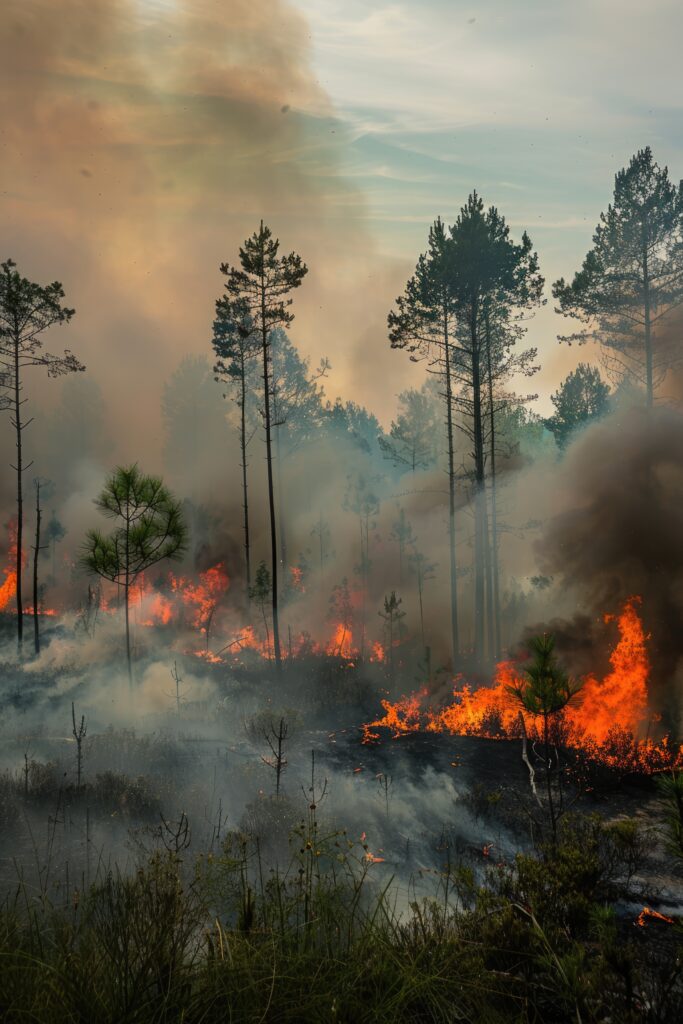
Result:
609,719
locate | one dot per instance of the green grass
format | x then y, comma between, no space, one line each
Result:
223,938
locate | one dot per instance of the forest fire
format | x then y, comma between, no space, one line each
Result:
647,914
609,718
9,585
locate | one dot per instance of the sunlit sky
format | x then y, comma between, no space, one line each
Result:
535,104
143,140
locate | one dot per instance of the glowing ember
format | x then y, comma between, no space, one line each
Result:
647,914
378,653
297,575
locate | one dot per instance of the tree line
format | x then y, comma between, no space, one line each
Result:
464,314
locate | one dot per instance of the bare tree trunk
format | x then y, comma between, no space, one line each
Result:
479,496
36,553
243,446
20,495
495,565
271,491
649,375
280,502
455,636
129,659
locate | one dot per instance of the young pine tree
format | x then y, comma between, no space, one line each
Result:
149,527
544,693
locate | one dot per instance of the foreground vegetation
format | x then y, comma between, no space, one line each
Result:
224,937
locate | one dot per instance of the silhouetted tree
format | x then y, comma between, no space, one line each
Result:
195,431
402,533
149,528
393,625
362,501
492,276
341,612
632,278
261,593
412,437
54,533
353,421
581,397
27,310
260,289
424,322
236,347
297,412
321,531
39,485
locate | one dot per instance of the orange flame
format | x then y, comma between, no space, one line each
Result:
608,720
203,596
647,912
8,589
340,644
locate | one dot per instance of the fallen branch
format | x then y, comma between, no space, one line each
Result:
527,762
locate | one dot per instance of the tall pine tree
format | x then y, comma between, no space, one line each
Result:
258,299
632,278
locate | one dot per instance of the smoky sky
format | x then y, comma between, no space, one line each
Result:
142,142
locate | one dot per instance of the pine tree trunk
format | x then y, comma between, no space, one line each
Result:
243,446
495,566
129,659
271,490
480,497
280,502
126,596
455,637
20,495
649,375
36,552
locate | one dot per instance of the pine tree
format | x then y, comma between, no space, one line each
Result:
261,592
236,347
582,397
544,692
631,280
411,441
494,281
258,294
27,310
149,527
424,324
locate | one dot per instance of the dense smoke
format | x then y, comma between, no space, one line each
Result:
141,144
619,534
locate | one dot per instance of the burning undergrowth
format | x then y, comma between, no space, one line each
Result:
611,719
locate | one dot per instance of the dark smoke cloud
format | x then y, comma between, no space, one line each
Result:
621,532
